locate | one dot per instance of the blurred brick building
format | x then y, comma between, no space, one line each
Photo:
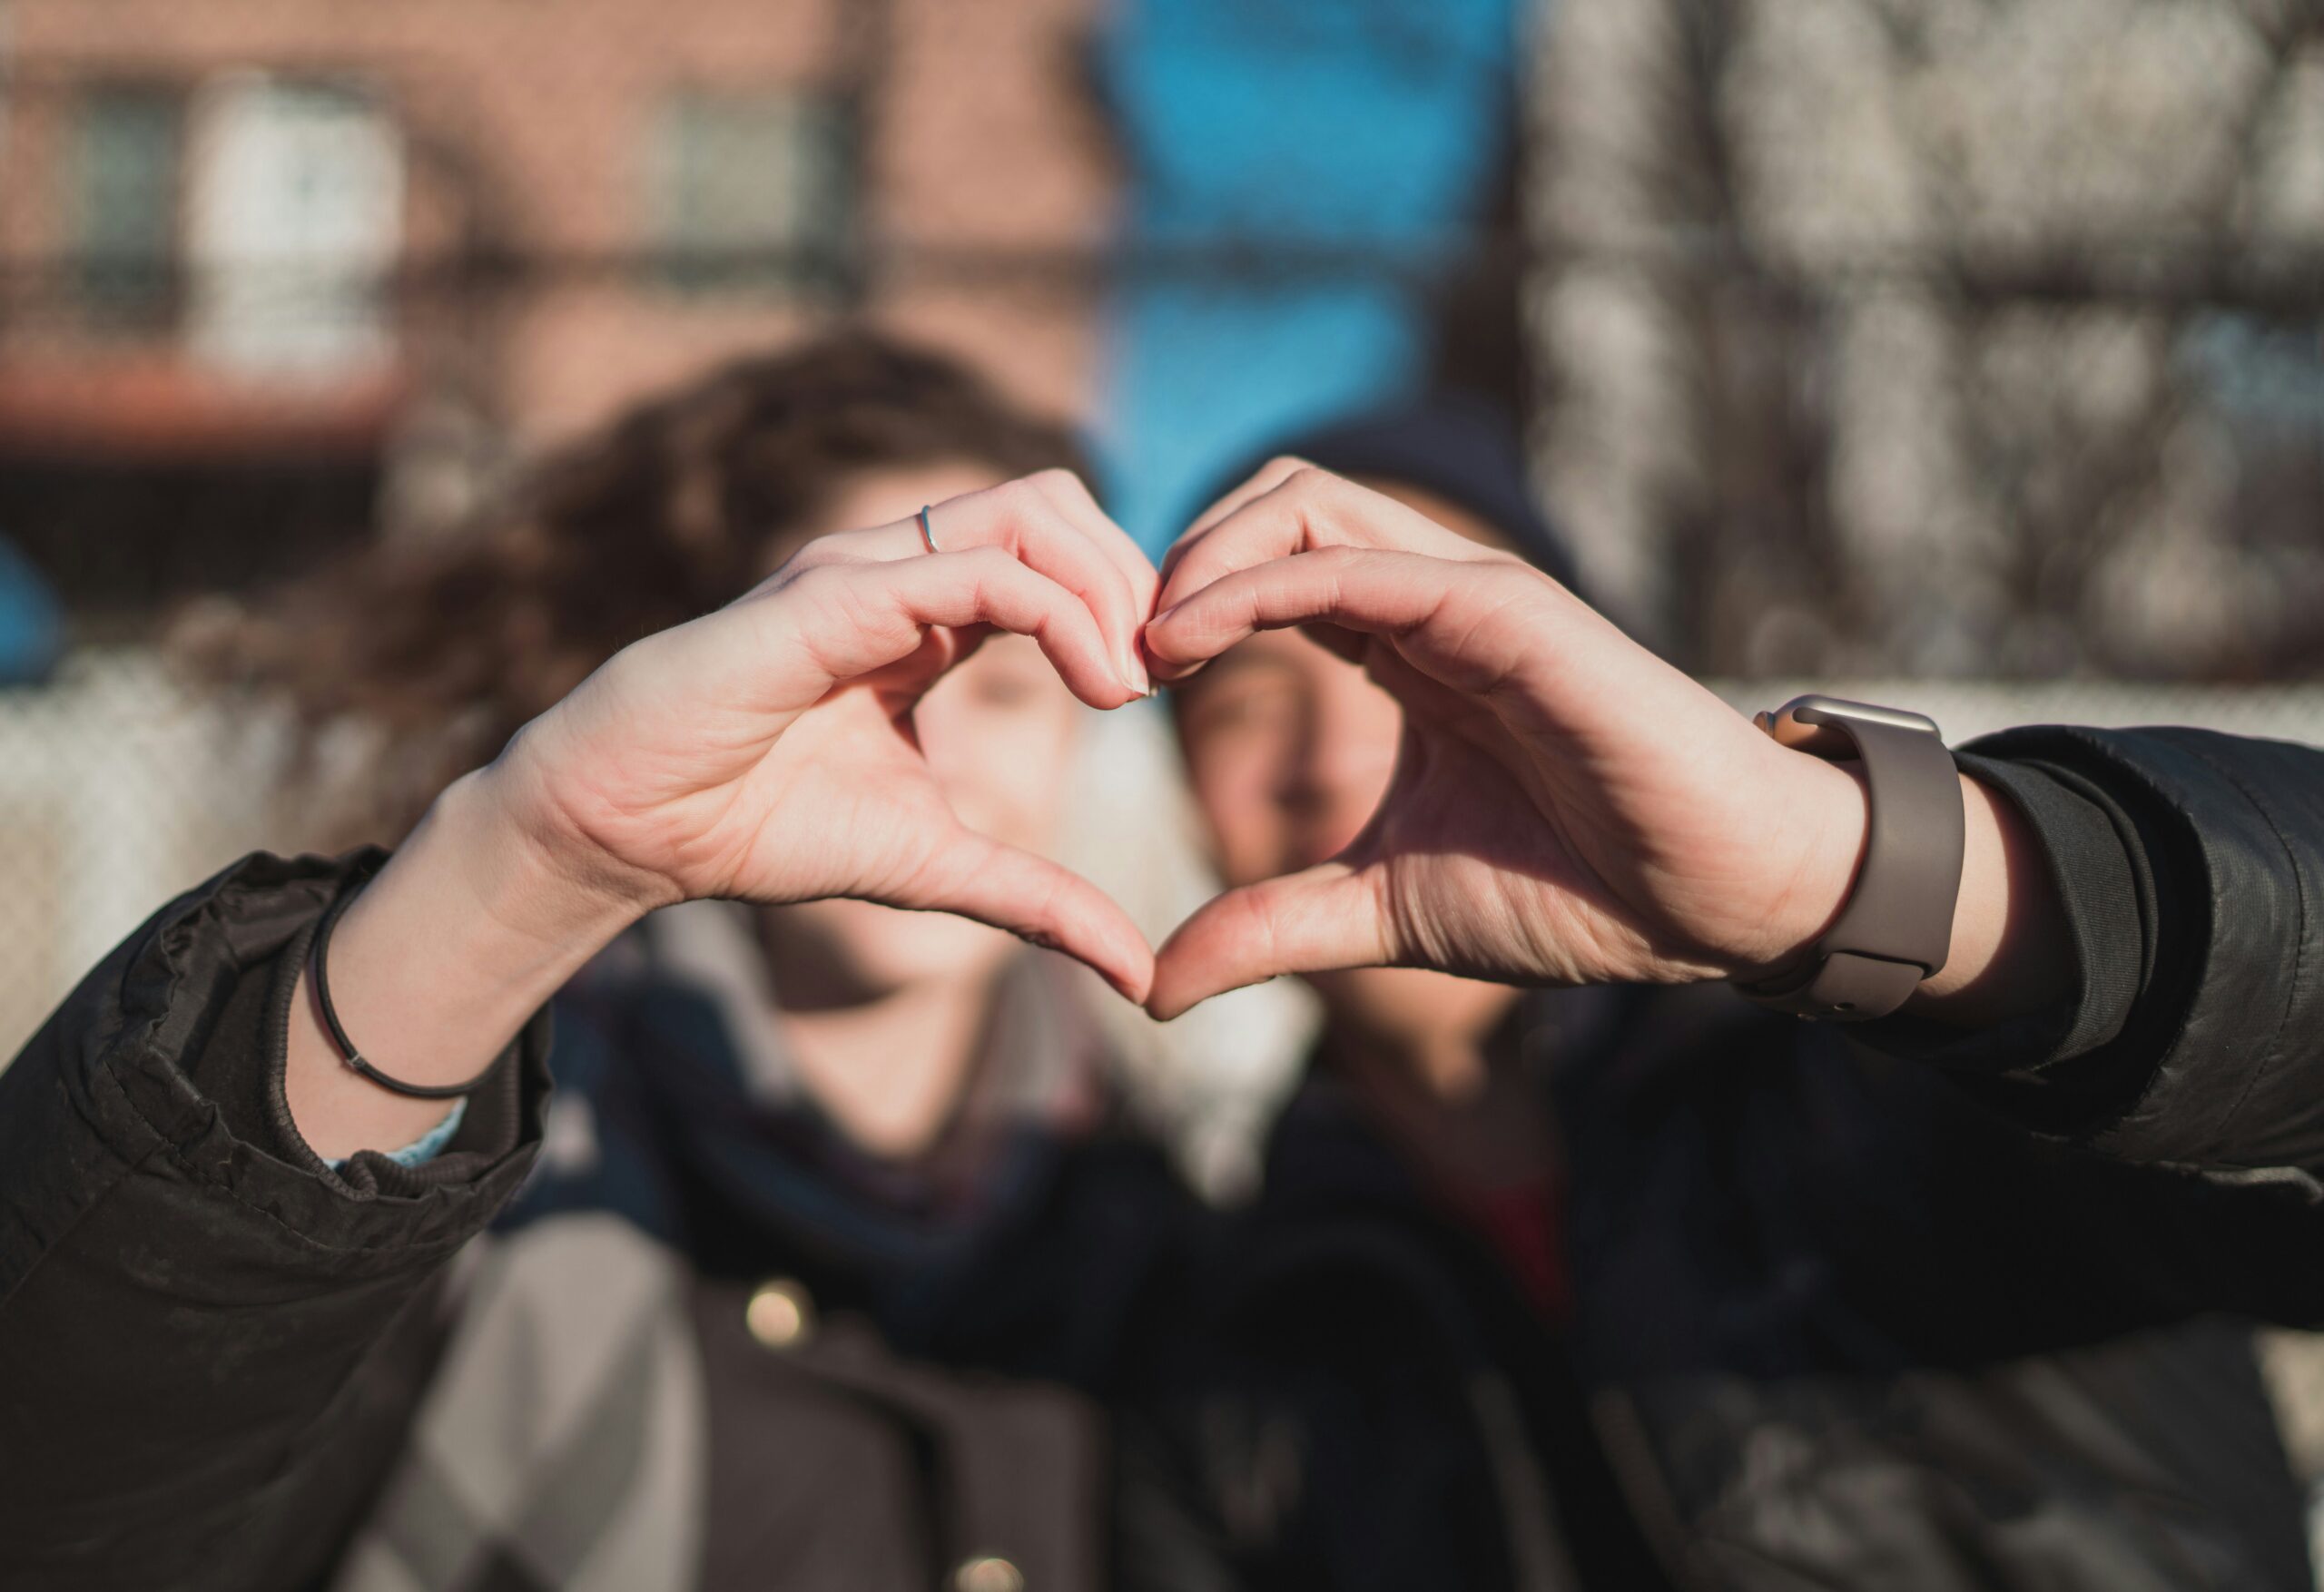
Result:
278,270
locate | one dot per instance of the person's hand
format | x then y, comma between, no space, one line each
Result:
762,753
766,751
1567,808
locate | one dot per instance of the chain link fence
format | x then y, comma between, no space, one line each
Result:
1938,337
119,788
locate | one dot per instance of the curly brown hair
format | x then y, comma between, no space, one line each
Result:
446,647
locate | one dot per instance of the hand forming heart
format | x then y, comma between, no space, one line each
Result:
766,751
1566,808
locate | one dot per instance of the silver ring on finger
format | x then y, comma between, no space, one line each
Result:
927,531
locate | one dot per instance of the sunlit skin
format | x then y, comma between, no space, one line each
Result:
1563,807
784,750
1288,749
1567,807
883,1009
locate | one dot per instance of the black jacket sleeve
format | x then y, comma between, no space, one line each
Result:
210,1340
2190,865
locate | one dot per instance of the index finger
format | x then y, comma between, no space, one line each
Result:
1470,623
1261,481
1306,510
1079,503
1050,529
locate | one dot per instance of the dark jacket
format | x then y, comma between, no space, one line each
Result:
704,1343
228,1366
1955,1311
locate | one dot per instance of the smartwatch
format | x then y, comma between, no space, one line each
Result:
1897,925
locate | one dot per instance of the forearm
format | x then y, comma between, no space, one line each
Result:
2188,864
221,1326
2010,953
463,935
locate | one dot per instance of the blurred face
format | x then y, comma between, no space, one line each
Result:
998,733
1289,749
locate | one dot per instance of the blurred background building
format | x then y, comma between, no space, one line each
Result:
281,273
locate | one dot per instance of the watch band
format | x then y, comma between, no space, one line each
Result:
1897,925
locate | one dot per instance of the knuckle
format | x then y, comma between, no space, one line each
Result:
1046,512
1520,579
815,555
817,584
824,605
993,569
1323,500
1022,496
1025,505
1313,480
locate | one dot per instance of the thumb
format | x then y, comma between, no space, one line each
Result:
1037,901
1328,917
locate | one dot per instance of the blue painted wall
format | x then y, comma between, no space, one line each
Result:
1335,129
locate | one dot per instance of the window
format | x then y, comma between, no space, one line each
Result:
752,190
122,158
295,220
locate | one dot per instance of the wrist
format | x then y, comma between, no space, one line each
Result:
1827,809
476,913
2009,952
520,880
2012,954
556,860
469,928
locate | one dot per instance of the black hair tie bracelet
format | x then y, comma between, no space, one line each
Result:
347,1051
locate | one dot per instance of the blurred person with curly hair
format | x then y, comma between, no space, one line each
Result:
840,1221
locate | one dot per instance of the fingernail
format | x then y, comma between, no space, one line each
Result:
1134,675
